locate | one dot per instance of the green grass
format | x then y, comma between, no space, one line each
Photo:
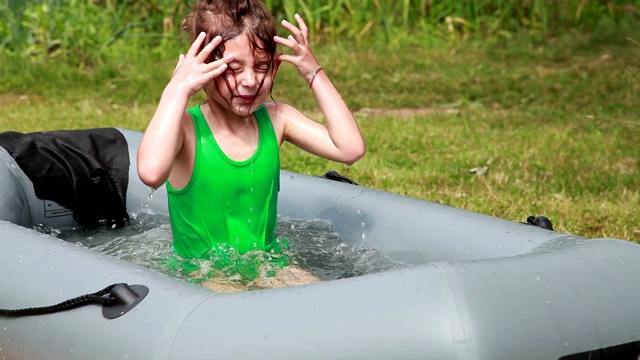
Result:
556,121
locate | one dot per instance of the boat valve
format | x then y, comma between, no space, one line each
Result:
124,298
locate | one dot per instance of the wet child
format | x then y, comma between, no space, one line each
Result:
220,159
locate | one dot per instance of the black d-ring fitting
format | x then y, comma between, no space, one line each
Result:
125,297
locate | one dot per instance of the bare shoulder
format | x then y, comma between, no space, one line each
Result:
282,116
280,112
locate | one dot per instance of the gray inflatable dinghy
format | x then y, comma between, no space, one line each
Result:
478,287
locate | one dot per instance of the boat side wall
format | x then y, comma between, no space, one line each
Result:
405,229
547,305
140,197
483,288
39,270
544,306
13,197
396,315
538,306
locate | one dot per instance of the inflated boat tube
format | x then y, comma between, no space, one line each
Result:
479,287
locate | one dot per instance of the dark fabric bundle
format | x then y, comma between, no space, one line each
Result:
86,171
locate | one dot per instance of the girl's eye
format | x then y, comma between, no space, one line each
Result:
262,69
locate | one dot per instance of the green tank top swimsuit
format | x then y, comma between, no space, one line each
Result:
227,202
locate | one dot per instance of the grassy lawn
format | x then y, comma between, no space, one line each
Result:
551,128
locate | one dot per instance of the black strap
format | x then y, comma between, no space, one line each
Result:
95,298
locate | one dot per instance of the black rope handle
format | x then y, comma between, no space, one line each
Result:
97,297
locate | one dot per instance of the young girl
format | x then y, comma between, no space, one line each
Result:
220,159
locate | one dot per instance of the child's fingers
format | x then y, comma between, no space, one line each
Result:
286,58
289,42
180,60
195,46
206,51
297,34
303,26
217,70
289,26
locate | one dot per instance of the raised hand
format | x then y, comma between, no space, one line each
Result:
302,56
192,72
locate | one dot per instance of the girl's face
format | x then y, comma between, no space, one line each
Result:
247,82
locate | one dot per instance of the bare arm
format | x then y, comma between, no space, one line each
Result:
164,136
340,139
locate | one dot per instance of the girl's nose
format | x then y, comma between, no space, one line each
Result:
249,79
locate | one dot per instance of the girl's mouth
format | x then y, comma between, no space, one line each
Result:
246,99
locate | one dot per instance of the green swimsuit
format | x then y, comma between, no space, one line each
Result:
227,202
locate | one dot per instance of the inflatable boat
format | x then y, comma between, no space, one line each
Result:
474,286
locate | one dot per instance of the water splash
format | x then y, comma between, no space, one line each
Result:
309,244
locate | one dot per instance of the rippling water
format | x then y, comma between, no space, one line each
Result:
311,244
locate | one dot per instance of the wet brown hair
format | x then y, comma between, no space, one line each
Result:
232,18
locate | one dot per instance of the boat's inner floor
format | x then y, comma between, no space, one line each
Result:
311,246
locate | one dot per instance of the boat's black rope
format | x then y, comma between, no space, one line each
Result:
97,297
